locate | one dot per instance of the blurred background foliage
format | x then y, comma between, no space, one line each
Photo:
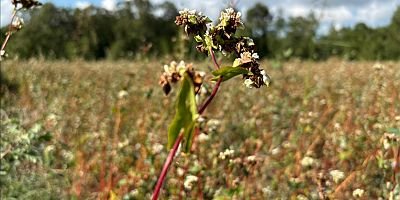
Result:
138,29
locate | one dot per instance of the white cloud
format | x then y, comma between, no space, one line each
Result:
6,12
376,14
335,14
82,4
297,10
109,4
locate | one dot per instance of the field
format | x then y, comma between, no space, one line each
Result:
97,130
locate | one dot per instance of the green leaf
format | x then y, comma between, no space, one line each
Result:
209,42
192,19
46,137
229,72
198,38
394,130
186,114
189,131
237,62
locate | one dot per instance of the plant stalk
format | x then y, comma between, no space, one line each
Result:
213,58
174,149
166,166
3,46
211,97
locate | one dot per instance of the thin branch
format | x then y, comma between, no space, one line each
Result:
166,166
213,58
9,33
210,98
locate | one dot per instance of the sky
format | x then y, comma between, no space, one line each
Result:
337,13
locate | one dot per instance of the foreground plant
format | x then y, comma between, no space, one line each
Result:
210,39
16,21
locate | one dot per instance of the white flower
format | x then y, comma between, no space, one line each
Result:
275,151
157,148
226,154
122,94
358,192
378,66
192,12
301,197
248,83
134,192
17,23
180,171
203,137
238,14
181,68
178,151
266,78
2,54
213,124
229,10
221,156
266,190
336,175
255,56
167,70
251,158
307,161
190,179
386,144
187,12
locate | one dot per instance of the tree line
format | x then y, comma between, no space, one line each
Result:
138,29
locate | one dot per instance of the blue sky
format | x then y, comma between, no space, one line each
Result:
337,13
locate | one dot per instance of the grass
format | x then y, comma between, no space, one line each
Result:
287,139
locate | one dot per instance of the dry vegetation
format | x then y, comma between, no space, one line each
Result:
108,122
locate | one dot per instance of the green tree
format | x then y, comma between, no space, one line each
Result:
258,19
45,35
301,36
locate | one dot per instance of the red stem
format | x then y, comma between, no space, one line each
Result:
166,166
215,90
174,149
210,98
213,58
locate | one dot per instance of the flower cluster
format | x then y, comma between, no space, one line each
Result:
188,183
226,154
222,37
337,175
27,4
194,23
175,71
16,24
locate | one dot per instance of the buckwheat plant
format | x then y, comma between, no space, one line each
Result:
210,39
16,21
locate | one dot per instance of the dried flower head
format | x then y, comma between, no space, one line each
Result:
175,71
27,4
